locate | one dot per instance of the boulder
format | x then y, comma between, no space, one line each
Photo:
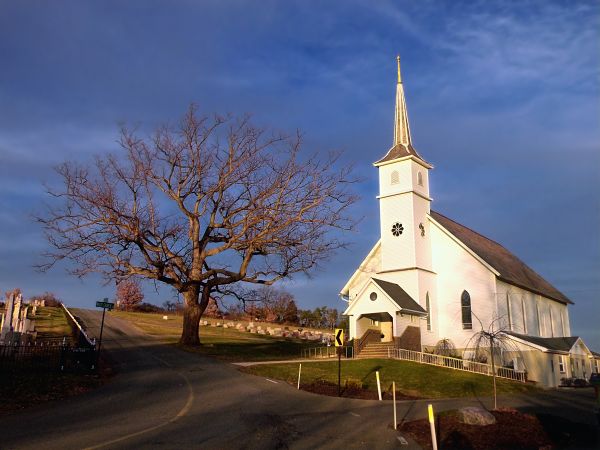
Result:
474,415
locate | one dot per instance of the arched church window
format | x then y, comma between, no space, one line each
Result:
465,303
420,178
395,177
428,308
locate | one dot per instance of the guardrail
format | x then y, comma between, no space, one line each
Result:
455,363
326,352
83,338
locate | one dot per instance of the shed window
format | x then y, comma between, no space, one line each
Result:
428,308
395,178
561,363
465,303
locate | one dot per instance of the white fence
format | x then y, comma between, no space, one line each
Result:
326,352
455,363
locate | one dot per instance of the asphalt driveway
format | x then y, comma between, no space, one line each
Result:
163,397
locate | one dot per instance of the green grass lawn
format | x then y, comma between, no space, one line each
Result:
51,324
225,343
412,379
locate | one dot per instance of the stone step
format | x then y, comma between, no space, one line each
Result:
374,353
375,350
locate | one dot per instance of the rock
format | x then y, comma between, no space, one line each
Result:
225,326
474,415
261,332
165,317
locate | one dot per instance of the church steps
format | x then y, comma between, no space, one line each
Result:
375,350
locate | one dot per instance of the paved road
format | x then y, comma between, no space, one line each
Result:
167,398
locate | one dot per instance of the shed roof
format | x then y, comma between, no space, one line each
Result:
560,344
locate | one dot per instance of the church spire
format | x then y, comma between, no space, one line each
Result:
401,128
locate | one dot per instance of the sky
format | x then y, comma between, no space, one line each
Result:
503,99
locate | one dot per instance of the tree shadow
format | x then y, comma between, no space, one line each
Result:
371,372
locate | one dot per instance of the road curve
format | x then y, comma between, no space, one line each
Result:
163,397
166,398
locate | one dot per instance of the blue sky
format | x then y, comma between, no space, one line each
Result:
503,99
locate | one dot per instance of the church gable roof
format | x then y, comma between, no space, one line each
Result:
511,269
399,296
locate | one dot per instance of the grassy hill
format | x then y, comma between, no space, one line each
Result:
412,379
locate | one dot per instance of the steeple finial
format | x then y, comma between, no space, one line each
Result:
401,128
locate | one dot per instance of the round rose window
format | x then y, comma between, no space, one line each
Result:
397,229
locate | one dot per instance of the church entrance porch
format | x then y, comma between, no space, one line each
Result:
381,322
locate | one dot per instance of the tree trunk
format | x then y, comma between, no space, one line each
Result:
494,377
190,335
194,305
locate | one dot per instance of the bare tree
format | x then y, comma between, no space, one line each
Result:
491,341
271,304
47,299
211,202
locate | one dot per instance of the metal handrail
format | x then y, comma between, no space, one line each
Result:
366,338
455,363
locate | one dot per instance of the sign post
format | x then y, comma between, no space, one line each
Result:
104,305
339,343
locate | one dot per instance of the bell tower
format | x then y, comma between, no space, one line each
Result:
404,201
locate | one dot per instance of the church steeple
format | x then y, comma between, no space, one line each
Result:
401,127
402,146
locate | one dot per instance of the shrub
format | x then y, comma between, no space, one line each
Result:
147,308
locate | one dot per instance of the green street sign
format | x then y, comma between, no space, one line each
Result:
105,305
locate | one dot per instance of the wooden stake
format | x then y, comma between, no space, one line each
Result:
378,385
394,400
432,427
299,372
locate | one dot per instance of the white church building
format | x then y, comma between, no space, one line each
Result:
429,278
